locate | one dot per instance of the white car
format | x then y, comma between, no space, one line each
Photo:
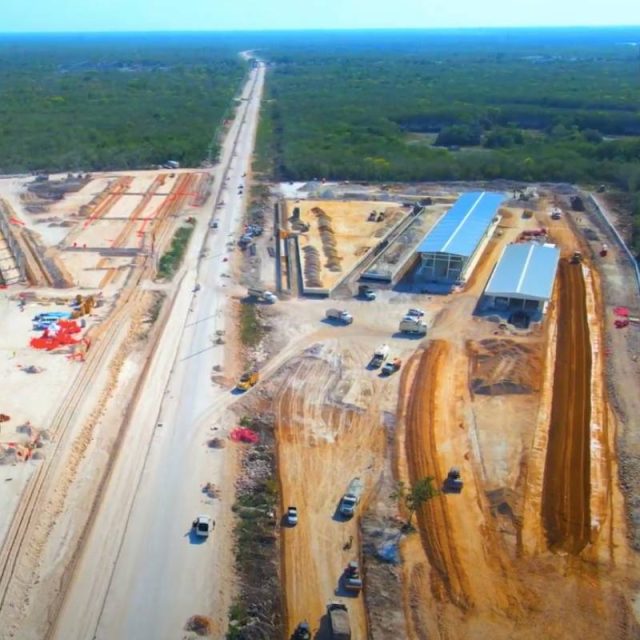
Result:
292,516
203,526
416,313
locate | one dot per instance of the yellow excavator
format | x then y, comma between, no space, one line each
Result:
248,380
83,306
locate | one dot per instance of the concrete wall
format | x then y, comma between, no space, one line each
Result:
14,247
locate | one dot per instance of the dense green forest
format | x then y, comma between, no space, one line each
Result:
112,102
560,105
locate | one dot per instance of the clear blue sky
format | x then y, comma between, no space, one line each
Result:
214,15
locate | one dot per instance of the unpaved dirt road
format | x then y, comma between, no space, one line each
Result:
567,481
142,573
329,431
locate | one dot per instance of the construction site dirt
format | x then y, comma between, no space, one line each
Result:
466,578
324,416
567,481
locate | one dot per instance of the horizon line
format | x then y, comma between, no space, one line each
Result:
322,29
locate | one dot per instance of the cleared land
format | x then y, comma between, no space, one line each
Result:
328,432
109,220
339,235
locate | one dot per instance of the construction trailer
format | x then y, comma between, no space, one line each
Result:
452,248
523,278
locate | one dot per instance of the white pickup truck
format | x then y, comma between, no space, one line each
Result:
265,296
351,498
379,356
339,315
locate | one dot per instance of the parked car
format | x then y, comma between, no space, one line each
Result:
391,367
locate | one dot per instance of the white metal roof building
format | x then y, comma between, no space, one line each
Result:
523,277
450,250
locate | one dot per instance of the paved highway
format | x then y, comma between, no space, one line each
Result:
141,574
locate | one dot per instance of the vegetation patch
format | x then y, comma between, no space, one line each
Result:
256,613
105,102
252,329
172,259
556,105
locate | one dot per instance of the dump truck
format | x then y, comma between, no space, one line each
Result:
366,292
339,621
412,324
263,295
379,356
351,498
351,578
339,315
247,380
556,213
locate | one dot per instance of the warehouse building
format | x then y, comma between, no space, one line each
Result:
450,251
523,278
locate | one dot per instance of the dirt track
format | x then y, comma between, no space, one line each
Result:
328,432
565,503
433,518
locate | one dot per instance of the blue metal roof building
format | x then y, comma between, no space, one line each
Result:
449,249
524,276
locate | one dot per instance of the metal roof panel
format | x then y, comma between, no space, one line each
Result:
525,271
459,230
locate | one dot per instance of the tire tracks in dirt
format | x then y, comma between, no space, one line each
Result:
567,480
328,431
434,522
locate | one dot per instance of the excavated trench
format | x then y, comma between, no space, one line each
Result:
566,490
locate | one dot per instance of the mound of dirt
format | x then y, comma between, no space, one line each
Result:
200,625
503,366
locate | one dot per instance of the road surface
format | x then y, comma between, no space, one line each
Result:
141,573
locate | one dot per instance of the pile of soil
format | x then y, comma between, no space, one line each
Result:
503,366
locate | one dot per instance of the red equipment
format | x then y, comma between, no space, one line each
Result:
242,434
